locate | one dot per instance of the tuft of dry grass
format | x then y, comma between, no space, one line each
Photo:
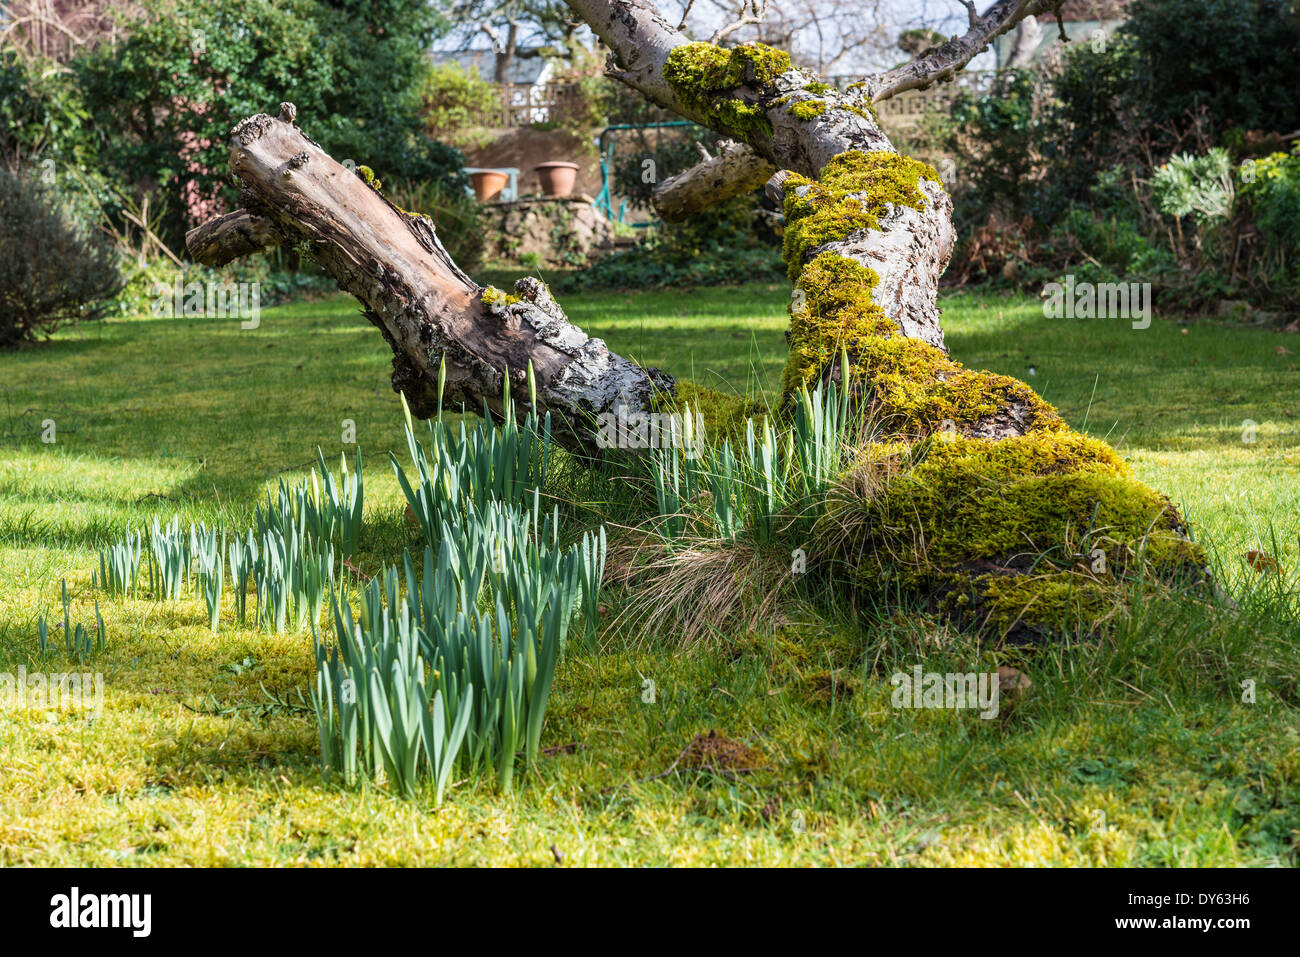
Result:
704,587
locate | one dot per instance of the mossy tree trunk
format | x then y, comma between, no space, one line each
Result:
878,226
974,491
1009,517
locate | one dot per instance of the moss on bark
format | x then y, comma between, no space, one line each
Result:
979,495
1020,536
703,75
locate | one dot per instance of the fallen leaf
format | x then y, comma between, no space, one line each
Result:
1262,562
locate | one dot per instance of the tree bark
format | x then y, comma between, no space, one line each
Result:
735,170
426,308
227,238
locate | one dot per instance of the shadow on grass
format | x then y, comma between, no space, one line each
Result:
236,409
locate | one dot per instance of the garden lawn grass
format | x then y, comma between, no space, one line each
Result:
1136,752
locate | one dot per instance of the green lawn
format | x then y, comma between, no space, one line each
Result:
1136,751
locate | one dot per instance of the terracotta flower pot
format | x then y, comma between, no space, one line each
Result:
488,183
557,178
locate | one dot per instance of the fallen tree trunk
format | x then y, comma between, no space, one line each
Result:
425,306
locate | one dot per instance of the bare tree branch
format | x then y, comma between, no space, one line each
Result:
734,170
227,238
945,61
751,13
685,13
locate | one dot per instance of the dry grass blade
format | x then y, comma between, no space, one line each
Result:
701,588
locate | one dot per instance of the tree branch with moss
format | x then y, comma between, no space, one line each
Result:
970,488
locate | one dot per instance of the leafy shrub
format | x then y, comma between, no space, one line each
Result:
991,138
163,100
1196,186
1120,248
453,99
281,274
671,151
1090,123
42,114
645,267
1106,165
1233,60
1272,188
1109,238
53,271
280,285
1037,144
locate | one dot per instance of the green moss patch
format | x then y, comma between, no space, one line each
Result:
1021,609
917,389
701,74
854,190
837,313
974,499
1025,531
367,174
912,387
807,110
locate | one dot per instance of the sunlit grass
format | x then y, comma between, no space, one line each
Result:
1137,752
